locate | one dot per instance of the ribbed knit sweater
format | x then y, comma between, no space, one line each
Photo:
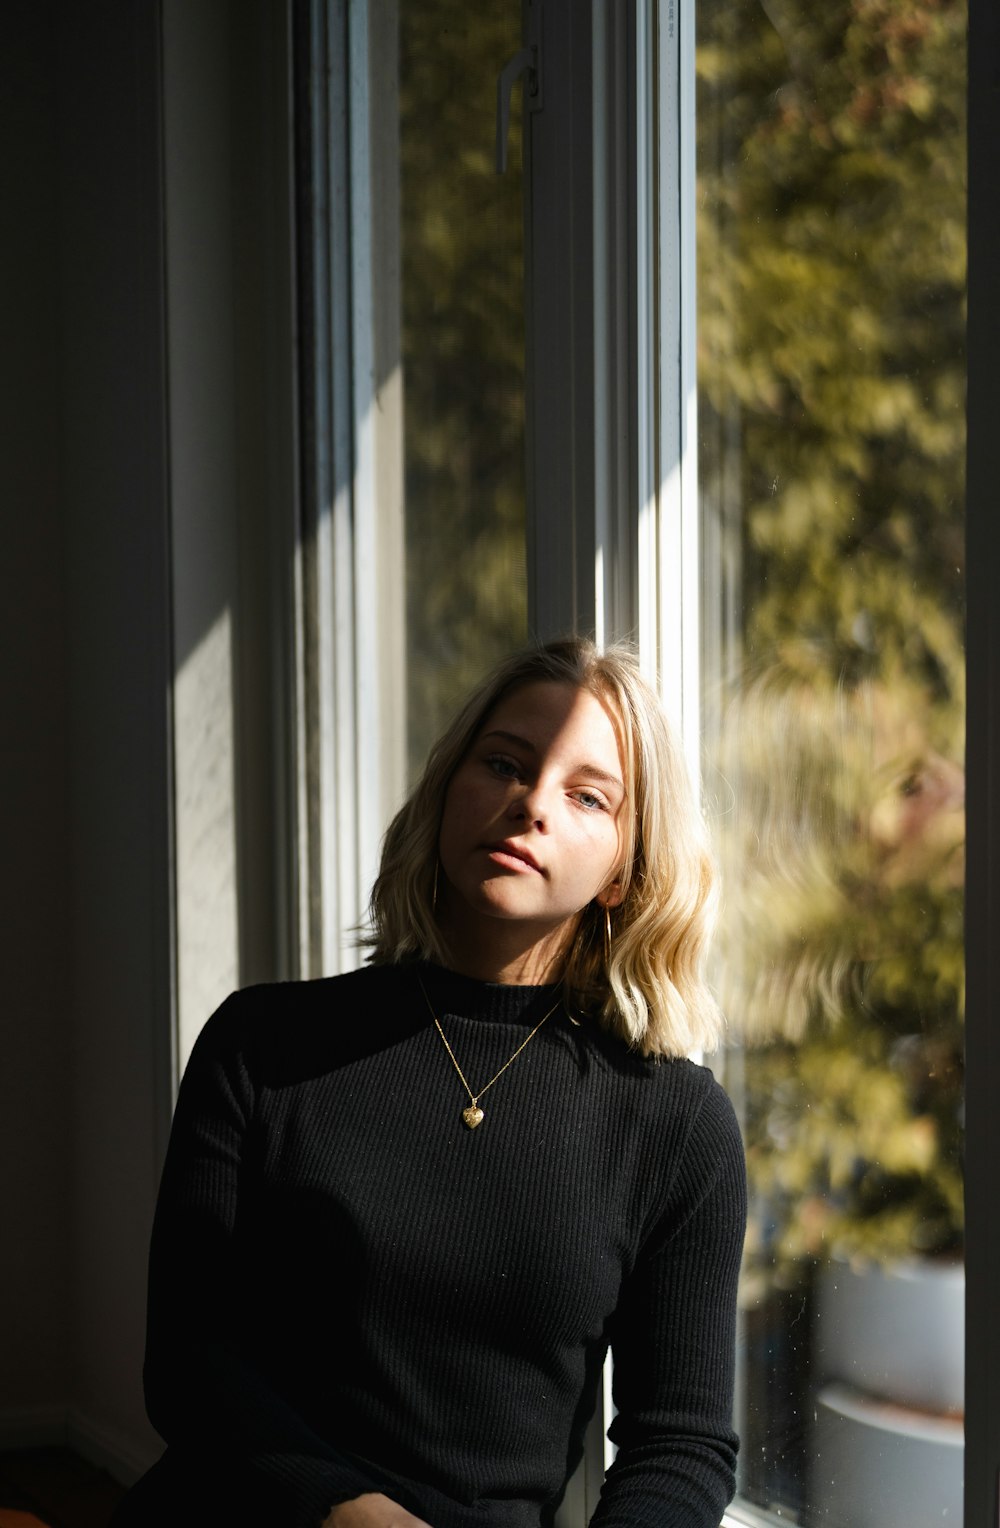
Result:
351,1291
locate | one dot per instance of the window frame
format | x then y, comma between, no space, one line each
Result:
982,1325
349,589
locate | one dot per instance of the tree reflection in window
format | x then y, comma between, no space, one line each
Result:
463,348
831,418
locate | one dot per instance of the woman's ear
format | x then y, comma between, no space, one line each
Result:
612,895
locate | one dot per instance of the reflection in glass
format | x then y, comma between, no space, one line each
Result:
463,354
831,423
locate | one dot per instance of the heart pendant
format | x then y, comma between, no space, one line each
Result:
472,1116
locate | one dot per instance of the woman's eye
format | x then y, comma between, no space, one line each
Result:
501,765
591,802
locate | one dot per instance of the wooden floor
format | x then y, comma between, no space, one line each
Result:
54,1488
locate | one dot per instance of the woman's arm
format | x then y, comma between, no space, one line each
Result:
673,1344
204,1393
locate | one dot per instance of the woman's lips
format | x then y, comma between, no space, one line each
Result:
514,856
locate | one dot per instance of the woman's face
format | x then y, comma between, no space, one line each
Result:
530,832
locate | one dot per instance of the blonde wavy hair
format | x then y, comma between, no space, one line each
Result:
649,990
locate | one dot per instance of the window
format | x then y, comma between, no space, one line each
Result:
831,281
411,578
741,443
462,265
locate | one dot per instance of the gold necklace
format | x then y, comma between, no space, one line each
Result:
473,1115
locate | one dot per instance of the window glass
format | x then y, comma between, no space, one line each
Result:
463,355
831,269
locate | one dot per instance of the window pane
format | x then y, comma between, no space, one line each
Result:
463,353
831,424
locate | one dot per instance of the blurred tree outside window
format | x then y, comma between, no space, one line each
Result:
463,356
831,269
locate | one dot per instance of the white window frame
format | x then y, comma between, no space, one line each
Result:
610,262
349,577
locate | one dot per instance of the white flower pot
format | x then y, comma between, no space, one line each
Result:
897,1333
876,1465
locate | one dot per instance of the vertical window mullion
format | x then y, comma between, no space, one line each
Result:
559,417
352,722
580,275
335,547
982,1327
325,786
648,346
613,305
674,626
369,615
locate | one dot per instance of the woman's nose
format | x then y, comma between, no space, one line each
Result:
531,805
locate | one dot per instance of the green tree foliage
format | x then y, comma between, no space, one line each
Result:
832,318
831,363
463,353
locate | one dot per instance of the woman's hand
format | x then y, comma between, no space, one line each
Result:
373,1510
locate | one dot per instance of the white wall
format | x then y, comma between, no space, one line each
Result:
115,494
84,768
34,779
146,439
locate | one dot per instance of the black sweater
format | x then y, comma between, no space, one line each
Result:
349,1290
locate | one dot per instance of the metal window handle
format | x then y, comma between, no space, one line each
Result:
525,61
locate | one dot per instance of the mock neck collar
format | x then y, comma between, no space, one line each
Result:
492,1002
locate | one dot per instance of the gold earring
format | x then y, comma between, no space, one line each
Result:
607,935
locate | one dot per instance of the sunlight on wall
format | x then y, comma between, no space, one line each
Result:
207,918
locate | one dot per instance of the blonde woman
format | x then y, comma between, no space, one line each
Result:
406,1210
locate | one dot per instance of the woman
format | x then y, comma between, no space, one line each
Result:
405,1210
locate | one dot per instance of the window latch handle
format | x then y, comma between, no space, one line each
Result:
527,62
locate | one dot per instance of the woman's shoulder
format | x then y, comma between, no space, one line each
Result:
688,1137
314,994
679,1083
268,1022
664,1081
673,1101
